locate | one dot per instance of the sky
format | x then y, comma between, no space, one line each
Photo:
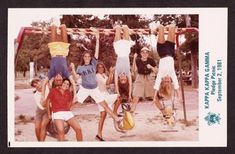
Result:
18,18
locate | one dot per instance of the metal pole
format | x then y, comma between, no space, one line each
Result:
181,80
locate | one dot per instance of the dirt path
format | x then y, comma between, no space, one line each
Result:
149,124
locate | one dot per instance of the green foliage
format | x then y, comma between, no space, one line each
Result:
35,48
23,60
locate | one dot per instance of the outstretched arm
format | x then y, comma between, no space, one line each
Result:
116,83
44,83
48,106
134,67
110,78
97,44
158,104
130,85
74,74
74,87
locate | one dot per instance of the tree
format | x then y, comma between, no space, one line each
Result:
36,44
191,45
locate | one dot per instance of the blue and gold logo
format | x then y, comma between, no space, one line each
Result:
212,118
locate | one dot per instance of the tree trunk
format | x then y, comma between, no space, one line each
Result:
194,59
24,74
35,68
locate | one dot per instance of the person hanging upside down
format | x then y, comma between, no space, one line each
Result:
122,45
166,71
59,48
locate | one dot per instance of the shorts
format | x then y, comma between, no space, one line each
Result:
39,114
143,86
122,65
63,115
58,66
83,93
109,99
166,49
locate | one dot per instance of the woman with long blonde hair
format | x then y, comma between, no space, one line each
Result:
166,76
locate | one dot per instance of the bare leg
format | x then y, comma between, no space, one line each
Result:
74,87
118,30
161,38
53,33
76,127
44,123
108,110
171,34
134,103
64,33
60,129
37,129
116,105
103,115
126,35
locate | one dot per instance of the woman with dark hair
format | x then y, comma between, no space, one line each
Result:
104,81
89,85
59,48
41,117
122,45
59,101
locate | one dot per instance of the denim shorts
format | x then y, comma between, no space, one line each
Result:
166,49
58,66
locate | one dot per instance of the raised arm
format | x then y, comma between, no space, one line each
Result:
110,78
116,83
44,83
130,85
73,72
134,67
48,107
97,44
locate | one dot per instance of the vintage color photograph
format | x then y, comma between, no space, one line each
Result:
106,77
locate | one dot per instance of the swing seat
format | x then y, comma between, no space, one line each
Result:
170,120
127,122
169,116
51,128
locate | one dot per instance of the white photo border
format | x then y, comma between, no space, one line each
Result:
213,32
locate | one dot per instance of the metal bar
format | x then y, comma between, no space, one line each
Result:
181,80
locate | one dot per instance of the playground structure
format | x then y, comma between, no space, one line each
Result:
83,31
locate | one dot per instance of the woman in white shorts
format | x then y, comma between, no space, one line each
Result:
89,85
59,101
122,46
103,82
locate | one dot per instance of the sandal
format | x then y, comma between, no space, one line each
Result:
99,138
